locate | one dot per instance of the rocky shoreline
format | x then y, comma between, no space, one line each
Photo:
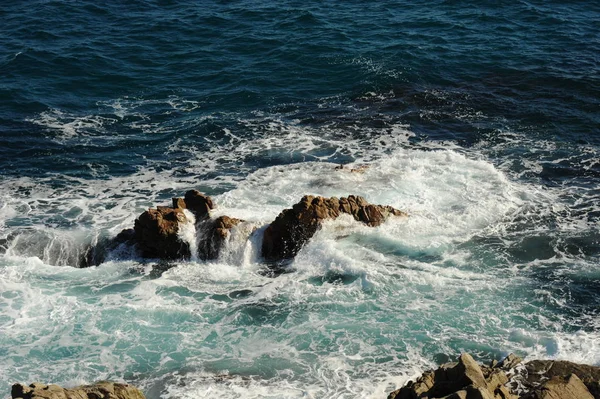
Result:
510,378
100,390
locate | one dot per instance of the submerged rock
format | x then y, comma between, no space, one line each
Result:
294,227
508,379
95,254
358,169
100,390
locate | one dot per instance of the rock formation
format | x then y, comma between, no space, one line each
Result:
462,380
556,371
214,232
156,232
100,390
198,203
294,227
509,379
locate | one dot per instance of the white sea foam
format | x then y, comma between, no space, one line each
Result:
362,309
187,234
64,126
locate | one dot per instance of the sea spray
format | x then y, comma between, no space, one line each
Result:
188,234
243,244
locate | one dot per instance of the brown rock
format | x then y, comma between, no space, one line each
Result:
198,203
474,392
294,227
458,395
417,389
100,390
214,233
509,362
358,169
453,377
465,379
540,370
156,233
503,392
570,387
495,378
179,203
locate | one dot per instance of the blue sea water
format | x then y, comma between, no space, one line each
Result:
481,120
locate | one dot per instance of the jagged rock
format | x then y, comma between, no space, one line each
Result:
465,379
156,230
100,390
502,392
509,362
537,379
156,233
214,232
294,227
416,389
179,203
198,203
569,387
540,370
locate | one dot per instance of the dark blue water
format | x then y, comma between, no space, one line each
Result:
481,120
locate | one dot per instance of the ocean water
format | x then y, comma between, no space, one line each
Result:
482,121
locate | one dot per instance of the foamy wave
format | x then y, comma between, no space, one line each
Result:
64,126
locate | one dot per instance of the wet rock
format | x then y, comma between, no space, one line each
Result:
213,234
294,227
156,233
509,362
508,379
198,203
95,254
537,371
179,203
570,387
465,379
100,390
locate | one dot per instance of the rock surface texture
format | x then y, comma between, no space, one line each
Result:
214,233
156,231
294,227
100,390
198,203
509,379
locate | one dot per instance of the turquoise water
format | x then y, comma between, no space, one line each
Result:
479,121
